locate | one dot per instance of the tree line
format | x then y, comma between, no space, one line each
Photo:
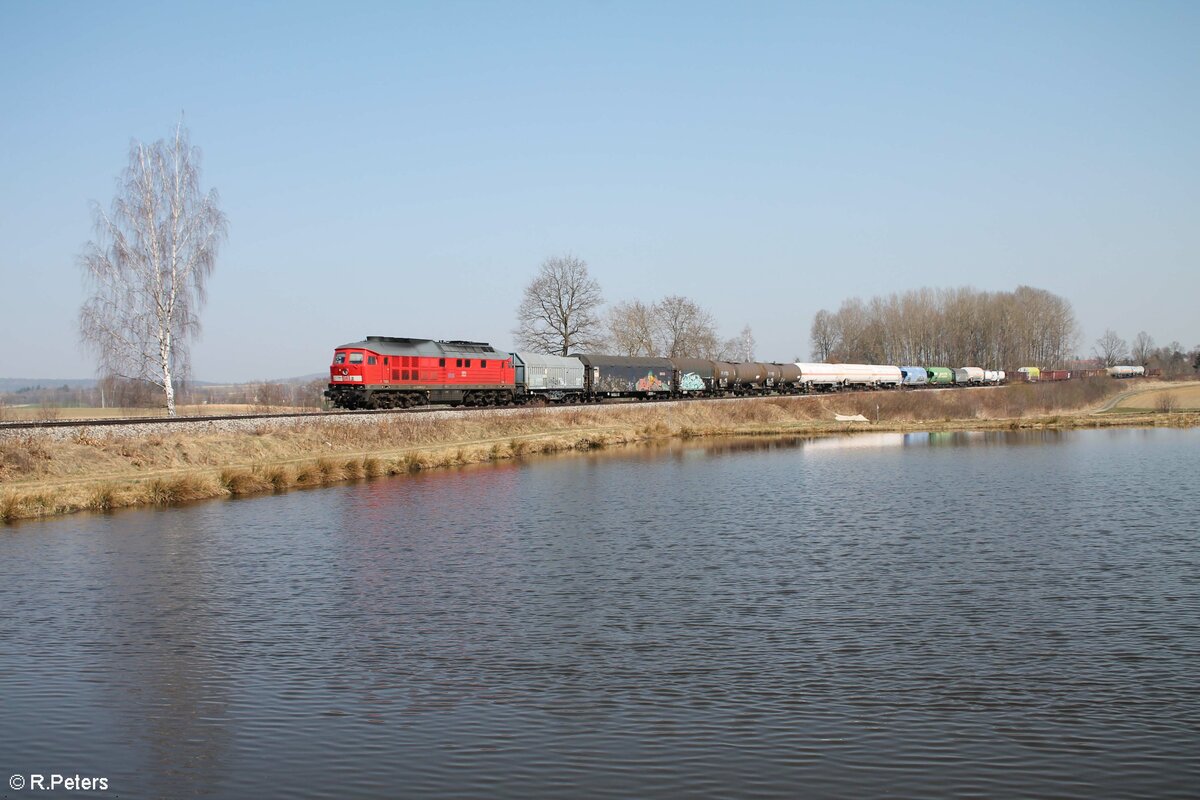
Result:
998,330
562,312
1170,359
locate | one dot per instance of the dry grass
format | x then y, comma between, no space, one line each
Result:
89,471
29,413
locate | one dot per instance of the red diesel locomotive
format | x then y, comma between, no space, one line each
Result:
391,372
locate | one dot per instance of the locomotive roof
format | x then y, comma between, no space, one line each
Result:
431,348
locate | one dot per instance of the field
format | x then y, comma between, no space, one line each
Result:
31,413
1185,397
98,469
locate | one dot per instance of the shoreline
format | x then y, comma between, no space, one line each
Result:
46,477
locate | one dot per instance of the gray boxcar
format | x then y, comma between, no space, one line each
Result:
551,377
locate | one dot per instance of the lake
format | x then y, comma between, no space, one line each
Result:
916,615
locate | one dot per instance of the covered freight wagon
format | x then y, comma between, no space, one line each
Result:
551,377
619,376
1029,374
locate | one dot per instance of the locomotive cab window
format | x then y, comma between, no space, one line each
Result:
339,358
356,358
371,360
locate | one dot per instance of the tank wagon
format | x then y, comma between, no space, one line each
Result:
819,377
1125,371
968,376
816,376
940,376
914,376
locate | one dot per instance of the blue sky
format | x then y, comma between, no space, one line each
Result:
403,168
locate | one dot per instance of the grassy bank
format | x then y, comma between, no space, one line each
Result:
43,476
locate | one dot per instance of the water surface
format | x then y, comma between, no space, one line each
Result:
920,615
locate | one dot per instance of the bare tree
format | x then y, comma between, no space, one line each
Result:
747,344
147,269
1026,327
1111,349
684,329
1143,348
559,312
631,329
823,335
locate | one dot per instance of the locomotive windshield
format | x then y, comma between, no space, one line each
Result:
339,358
356,358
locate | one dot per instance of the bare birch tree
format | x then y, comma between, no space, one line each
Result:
147,269
560,310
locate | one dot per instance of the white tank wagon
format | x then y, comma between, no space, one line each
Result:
826,377
914,376
1125,371
873,376
968,376
994,377
819,376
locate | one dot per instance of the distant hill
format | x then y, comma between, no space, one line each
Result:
17,384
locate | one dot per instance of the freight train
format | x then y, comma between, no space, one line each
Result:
392,372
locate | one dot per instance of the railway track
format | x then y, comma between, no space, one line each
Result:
105,422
